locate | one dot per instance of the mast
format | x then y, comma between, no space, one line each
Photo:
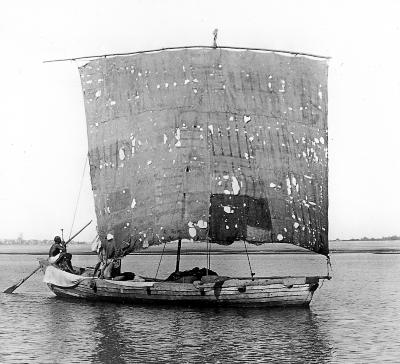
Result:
178,251
178,255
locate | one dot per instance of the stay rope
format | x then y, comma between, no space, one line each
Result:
159,263
248,259
79,195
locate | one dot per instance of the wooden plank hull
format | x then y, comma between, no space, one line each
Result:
224,291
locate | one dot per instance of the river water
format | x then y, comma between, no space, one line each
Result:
353,318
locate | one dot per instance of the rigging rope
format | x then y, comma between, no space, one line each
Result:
79,195
248,259
328,265
95,238
172,215
162,254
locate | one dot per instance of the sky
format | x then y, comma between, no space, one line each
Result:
43,140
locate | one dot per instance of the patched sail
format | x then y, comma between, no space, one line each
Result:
209,143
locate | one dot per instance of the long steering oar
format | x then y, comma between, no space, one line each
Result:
79,232
15,286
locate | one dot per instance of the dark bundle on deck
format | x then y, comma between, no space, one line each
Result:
189,276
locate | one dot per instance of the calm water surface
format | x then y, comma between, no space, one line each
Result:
354,318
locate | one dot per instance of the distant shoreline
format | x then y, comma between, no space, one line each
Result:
15,242
191,248
394,238
216,252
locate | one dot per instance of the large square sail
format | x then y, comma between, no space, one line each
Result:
205,143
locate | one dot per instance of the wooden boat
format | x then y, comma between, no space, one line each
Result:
213,290
209,144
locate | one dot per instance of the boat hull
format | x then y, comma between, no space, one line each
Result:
223,291
182,293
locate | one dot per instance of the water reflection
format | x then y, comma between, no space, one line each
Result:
110,339
221,335
67,331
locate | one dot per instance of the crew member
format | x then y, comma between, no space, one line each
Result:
58,255
109,263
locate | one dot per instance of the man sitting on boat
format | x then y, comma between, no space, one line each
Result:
109,263
58,255
109,266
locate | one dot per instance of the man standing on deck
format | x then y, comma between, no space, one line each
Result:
58,255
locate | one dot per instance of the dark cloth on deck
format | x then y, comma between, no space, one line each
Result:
189,276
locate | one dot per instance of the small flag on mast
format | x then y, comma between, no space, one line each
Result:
215,33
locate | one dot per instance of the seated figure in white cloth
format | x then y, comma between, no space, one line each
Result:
58,255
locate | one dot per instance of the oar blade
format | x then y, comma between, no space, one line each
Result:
14,287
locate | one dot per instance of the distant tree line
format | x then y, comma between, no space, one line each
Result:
20,241
365,238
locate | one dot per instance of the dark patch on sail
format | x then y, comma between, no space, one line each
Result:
122,232
239,217
119,200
